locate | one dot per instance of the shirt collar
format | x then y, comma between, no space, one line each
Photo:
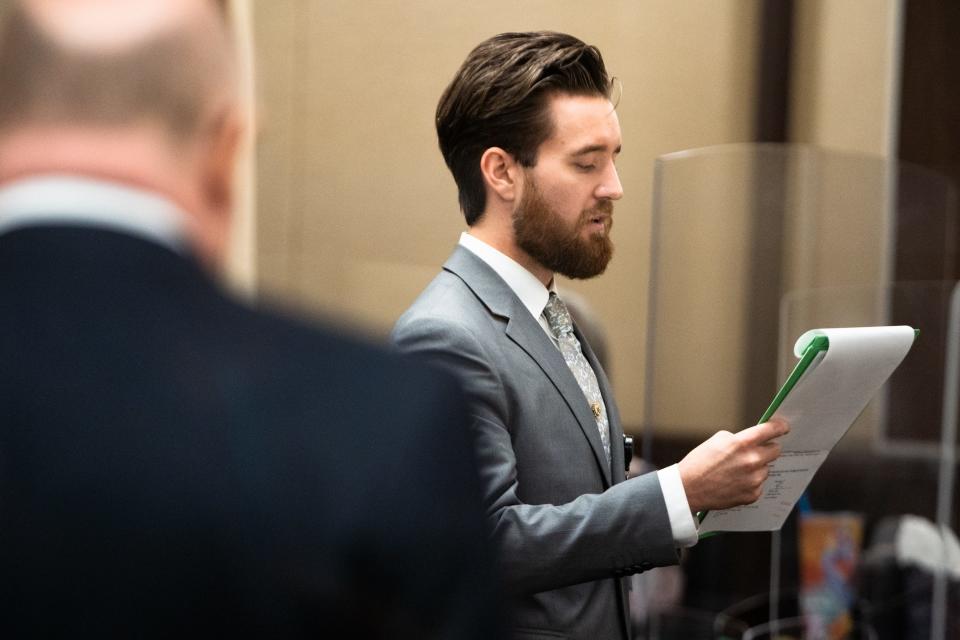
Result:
524,284
56,199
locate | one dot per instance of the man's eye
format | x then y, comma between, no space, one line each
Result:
586,167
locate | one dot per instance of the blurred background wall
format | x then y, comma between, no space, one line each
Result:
242,266
347,209
354,210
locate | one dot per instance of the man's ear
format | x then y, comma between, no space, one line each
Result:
217,149
220,161
501,174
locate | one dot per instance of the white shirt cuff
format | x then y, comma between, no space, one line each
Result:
682,523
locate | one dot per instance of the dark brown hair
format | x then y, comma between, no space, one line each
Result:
499,98
169,78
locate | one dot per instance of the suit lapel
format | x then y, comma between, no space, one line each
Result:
527,333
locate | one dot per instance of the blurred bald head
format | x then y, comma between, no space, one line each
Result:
139,92
114,62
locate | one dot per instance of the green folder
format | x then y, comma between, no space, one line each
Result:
817,345
810,353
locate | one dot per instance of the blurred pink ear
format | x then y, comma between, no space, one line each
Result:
219,162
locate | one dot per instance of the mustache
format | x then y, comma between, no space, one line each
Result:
604,208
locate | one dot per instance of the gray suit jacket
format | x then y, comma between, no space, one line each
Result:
567,525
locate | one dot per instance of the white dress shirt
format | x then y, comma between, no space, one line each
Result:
61,199
534,297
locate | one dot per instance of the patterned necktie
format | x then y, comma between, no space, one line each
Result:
558,316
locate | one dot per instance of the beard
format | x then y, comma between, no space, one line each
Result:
557,245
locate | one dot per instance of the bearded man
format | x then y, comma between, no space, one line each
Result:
529,132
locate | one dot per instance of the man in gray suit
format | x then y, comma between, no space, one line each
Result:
530,134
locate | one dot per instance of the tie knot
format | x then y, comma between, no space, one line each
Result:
558,316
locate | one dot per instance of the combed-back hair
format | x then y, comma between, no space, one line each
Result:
169,78
499,98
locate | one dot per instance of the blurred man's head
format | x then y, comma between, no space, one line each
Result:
137,91
528,131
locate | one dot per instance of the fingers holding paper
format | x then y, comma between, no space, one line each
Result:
729,469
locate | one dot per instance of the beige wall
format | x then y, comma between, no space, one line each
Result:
706,207
845,94
242,258
356,210
845,97
834,204
845,74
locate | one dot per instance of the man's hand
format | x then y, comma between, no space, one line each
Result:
729,469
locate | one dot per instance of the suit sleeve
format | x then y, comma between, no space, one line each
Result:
621,531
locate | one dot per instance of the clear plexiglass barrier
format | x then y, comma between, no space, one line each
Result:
752,245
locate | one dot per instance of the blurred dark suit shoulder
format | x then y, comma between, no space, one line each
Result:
173,461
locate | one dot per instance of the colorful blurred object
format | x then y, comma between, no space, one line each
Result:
829,552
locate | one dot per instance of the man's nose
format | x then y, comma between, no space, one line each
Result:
610,188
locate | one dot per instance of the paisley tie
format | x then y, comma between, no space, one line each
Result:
558,316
